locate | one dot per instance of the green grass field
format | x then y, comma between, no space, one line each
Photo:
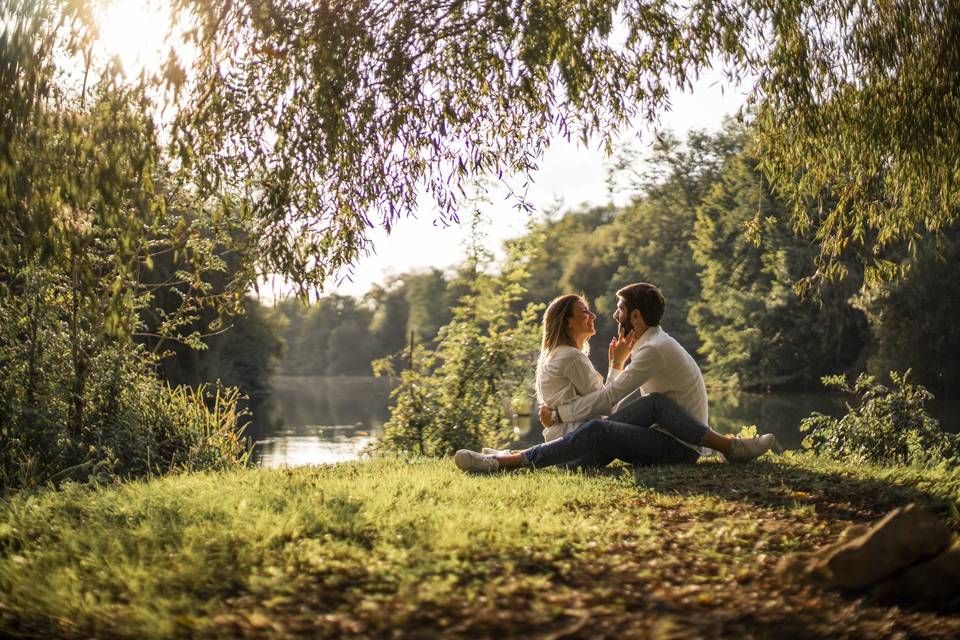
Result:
417,549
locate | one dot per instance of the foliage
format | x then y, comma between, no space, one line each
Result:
428,98
103,248
857,105
596,251
242,353
887,426
193,312
854,104
107,417
853,101
391,311
453,395
330,337
913,318
295,128
756,331
81,175
649,239
418,546
340,335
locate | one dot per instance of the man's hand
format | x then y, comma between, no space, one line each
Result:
546,415
620,348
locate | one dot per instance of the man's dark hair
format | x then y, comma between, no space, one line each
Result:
645,298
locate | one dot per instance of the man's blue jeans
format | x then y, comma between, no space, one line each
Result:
626,435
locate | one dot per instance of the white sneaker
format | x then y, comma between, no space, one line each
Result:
488,451
747,449
476,462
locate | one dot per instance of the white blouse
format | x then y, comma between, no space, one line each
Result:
566,375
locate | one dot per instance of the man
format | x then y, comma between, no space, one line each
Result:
660,396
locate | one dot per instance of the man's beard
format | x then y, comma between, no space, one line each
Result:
625,326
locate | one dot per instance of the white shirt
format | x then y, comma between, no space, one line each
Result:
566,375
658,364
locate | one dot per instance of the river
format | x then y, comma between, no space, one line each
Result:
323,420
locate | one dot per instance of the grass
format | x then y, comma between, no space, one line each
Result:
406,549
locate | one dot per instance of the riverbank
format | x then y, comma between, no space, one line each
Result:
317,419
383,548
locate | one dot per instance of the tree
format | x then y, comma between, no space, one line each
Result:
431,95
913,319
305,126
325,120
330,337
856,106
649,239
454,395
354,108
390,312
755,329
556,241
244,353
84,195
429,301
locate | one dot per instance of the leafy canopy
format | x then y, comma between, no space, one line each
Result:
326,118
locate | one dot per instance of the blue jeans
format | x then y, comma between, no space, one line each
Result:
626,435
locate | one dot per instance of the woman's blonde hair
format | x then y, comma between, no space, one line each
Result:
556,329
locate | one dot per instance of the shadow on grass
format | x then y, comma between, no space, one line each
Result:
837,495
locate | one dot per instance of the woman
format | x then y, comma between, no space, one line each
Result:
564,373
563,370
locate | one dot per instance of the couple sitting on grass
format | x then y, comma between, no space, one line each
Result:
657,402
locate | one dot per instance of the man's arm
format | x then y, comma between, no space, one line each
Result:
581,373
645,364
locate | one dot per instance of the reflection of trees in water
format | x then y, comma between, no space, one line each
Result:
298,404
779,414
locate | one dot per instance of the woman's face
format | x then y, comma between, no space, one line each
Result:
581,322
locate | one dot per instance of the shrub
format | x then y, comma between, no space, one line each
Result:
455,395
79,404
888,425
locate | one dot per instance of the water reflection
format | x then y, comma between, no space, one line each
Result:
779,414
292,450
319,420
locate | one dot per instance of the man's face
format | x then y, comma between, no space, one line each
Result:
622,317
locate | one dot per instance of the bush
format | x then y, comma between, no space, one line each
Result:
79,404
889,426
454,397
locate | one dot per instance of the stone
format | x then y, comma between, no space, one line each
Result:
803,565
795,566
934,581
851,532
903,537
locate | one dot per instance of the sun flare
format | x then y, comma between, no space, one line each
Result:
135,32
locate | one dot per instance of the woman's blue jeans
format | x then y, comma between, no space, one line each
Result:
626,435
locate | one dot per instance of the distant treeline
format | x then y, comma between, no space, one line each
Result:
706,228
